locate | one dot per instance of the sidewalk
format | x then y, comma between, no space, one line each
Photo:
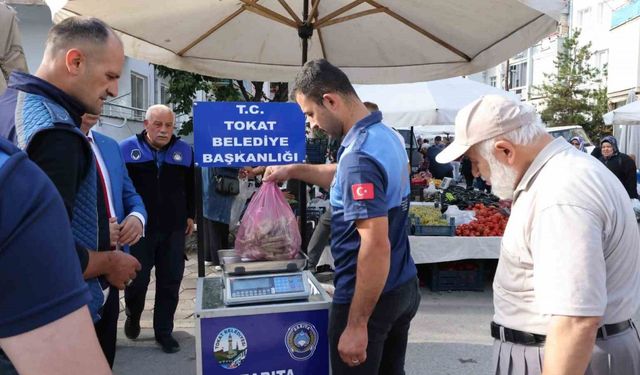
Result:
448,335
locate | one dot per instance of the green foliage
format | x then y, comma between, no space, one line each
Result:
571,98
184,85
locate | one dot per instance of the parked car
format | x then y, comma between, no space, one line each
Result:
570,131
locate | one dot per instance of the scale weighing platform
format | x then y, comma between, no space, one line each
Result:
259,318
242,290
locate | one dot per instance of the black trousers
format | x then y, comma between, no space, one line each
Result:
388,331
165,251
216,237
107,326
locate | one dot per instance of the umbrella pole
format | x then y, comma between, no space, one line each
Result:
304,32
199,221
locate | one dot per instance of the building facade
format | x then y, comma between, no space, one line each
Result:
613,29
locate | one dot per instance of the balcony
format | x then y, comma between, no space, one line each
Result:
123,112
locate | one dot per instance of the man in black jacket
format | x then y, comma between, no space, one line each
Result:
161,168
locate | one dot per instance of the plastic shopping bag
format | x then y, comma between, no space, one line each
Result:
268,230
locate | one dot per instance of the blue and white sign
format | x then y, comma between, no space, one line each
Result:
238,134
285,343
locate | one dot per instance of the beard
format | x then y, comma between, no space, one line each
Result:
503,178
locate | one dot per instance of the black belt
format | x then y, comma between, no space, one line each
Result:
501,333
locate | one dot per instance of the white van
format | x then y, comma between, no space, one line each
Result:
570,131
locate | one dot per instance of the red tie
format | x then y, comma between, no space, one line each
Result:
104,186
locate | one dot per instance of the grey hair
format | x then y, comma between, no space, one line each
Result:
521,136
74,30
156,107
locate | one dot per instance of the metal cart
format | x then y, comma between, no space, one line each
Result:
261,318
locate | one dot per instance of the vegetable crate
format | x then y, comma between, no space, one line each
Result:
435,230
457,276
316,151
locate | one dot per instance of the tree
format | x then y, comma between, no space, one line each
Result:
184,85
575,94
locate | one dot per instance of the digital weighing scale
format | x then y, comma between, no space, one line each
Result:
261,317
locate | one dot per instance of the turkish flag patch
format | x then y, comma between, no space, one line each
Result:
362,192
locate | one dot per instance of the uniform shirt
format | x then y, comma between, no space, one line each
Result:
371,181
570,246
167,191
40,274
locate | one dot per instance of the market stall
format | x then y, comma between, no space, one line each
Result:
436,249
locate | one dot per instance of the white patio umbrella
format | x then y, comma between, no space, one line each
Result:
11,52
373,41
434,103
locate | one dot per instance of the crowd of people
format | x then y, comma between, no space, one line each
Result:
97,216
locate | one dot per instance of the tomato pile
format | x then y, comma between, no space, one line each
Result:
489,222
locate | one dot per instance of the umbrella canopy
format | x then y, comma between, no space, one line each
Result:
624,121
266,40
626,115
426,103
11,53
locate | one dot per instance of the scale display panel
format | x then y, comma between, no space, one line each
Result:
264,288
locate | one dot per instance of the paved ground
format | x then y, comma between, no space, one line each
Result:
448,336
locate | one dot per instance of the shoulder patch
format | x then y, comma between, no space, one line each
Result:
362,192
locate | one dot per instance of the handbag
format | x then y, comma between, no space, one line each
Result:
227,185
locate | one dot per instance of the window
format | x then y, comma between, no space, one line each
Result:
493,81
138,91
600,13
601,59
583,17
164,94
518,75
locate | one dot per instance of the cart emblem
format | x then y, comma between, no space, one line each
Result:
230,348
301,340
177,156
136,154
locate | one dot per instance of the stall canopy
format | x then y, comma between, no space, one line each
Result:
625,121
434,103
373,41
11,53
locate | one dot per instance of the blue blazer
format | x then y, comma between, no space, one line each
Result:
125,198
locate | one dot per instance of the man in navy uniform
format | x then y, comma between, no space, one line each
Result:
374,302
161,168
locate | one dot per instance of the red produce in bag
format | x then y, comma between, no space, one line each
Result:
268,230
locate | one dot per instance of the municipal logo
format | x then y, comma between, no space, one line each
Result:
230,348
177,156
301,340
136,154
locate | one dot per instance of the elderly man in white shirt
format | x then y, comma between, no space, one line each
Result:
568,278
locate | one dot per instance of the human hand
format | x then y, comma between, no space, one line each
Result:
189,228
277,173
114,231
249,172
122,269
131,231
352,345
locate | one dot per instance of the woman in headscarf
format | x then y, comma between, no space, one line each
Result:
578,142
620,164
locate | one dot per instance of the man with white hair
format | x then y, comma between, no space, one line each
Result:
567,281
161,168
